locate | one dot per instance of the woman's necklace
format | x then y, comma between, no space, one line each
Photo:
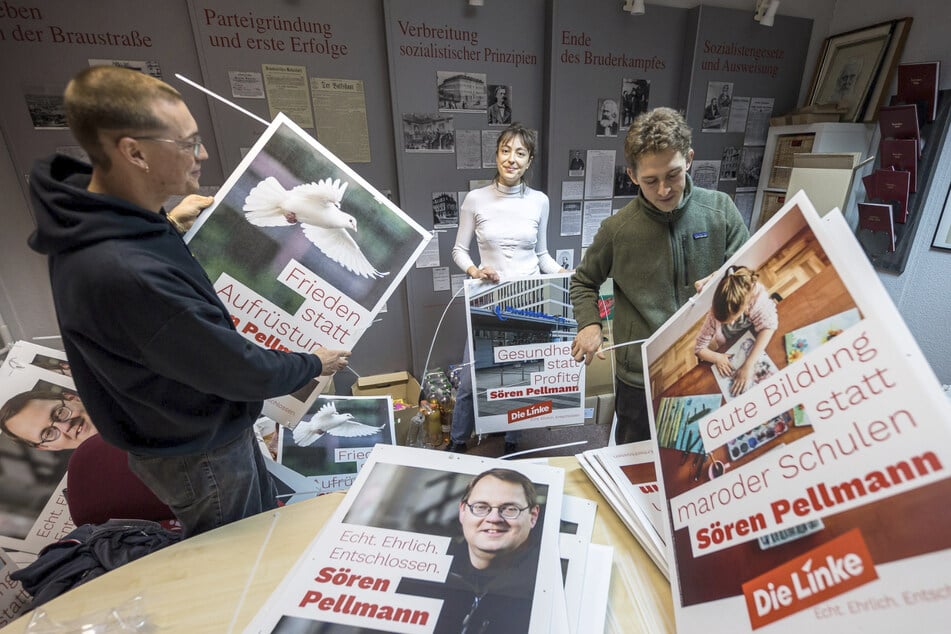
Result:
510,191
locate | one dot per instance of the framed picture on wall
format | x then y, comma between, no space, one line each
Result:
855,67
848,67
942,233
887,69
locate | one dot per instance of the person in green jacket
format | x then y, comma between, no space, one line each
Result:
659,249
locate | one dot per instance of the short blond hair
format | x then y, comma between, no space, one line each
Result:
656,131
102,98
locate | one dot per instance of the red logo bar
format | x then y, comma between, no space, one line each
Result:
529,411
836,567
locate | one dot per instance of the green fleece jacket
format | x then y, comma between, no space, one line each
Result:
654,258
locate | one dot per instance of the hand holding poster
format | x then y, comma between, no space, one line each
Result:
302,250
850,436
520,335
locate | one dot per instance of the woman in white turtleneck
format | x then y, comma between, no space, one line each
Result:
510,223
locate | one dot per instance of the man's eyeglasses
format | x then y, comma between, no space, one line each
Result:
60,414
507,511
194,144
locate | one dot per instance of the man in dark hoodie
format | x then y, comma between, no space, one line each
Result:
659,250
153,351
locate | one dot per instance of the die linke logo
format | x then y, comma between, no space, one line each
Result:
837,566
530,411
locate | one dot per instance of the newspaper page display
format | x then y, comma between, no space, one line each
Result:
395,556
520,335
33,510
302,250
831,520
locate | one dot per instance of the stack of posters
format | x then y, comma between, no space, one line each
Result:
830,521
302,251
33,511
520,334
436,542
626,477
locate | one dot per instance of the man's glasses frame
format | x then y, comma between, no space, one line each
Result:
506,511
194,144
60,414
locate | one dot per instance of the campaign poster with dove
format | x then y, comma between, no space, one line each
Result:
335,437
302,250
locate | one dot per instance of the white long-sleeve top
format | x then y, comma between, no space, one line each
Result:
511,226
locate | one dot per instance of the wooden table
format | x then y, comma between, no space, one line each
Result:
197,585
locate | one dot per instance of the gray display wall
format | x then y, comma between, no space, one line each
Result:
411,62
598,51
245,46
727,48
42,45
501,43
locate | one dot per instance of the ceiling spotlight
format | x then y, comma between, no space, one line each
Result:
634,7
767,19
476,3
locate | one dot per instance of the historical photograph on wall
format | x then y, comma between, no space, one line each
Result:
635,95
607,118
751,162
729,163
463,92
46,111
500,105
445,210
428,132
716,107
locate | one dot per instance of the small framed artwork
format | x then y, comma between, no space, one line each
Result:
852,64
942,234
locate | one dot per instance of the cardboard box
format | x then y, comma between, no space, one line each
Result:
599,377
590,410
827,178
398,385
605,409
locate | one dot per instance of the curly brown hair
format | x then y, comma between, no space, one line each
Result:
656,131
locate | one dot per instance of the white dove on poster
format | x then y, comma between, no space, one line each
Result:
328,420
316,207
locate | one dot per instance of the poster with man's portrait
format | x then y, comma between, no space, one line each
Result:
33,399
421,521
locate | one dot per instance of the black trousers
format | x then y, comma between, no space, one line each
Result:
630,406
